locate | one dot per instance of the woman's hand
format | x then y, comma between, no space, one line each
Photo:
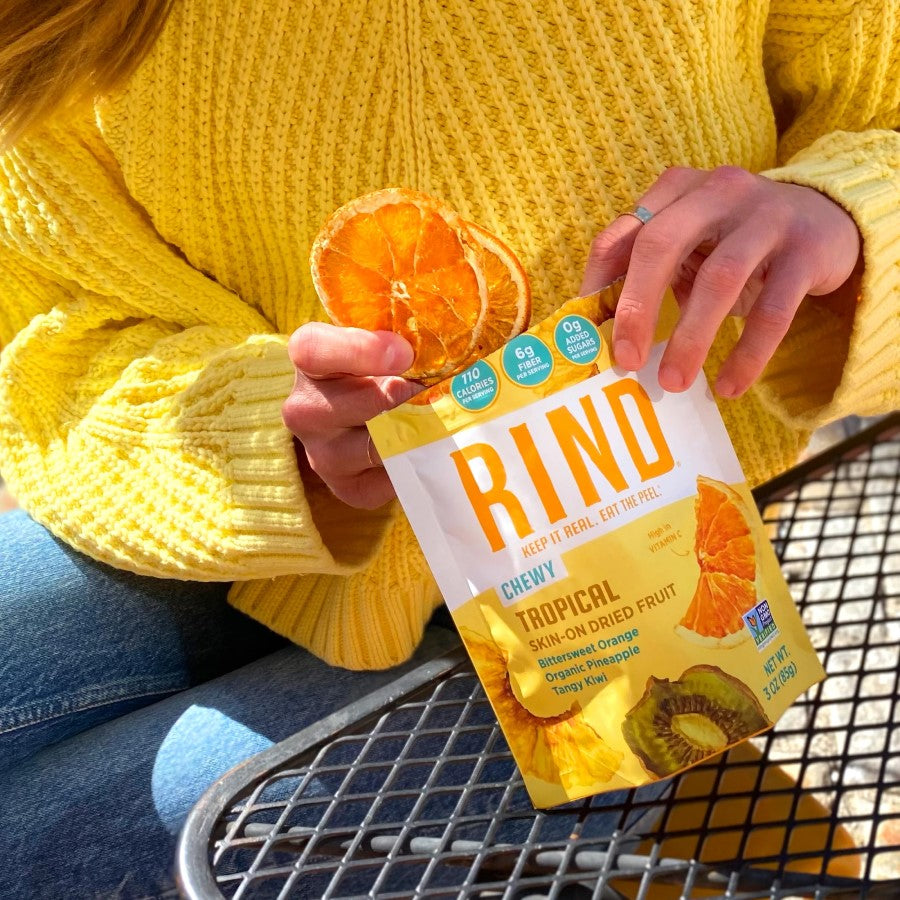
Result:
730,243
345,376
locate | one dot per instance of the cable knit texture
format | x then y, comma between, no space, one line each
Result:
153,253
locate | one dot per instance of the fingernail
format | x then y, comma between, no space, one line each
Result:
726,388
626,354
398,357
670,378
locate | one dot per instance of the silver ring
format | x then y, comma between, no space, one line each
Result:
641,213
369,445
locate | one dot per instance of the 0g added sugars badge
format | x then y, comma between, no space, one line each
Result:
577,339
527,360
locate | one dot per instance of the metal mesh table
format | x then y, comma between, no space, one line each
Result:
411,792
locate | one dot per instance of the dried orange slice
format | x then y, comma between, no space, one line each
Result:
726,554
398,260
508,309
508,293
403,261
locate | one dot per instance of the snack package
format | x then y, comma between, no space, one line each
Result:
601,555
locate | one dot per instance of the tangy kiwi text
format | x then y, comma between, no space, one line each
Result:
497,476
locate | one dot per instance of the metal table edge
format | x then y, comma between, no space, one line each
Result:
193,873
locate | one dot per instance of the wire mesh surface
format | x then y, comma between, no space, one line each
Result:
417,795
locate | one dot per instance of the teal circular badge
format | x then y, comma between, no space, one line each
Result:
577,339
527,360
476,387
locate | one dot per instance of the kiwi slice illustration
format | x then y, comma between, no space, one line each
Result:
678,723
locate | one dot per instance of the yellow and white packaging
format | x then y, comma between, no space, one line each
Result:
601,554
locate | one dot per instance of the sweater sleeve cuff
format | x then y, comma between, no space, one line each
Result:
367,593
371,620
280,525
839,356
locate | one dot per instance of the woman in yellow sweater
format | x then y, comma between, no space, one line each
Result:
153,248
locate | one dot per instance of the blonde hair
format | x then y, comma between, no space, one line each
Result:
55,53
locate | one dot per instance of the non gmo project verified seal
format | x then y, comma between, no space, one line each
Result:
760,624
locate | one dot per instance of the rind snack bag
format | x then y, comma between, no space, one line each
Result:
601,555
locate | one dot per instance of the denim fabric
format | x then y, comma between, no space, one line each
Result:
106,737
82,643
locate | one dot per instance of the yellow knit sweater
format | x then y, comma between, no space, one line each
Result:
153,254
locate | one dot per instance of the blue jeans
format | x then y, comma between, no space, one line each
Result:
121,699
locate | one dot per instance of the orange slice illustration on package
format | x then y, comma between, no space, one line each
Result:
726,555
